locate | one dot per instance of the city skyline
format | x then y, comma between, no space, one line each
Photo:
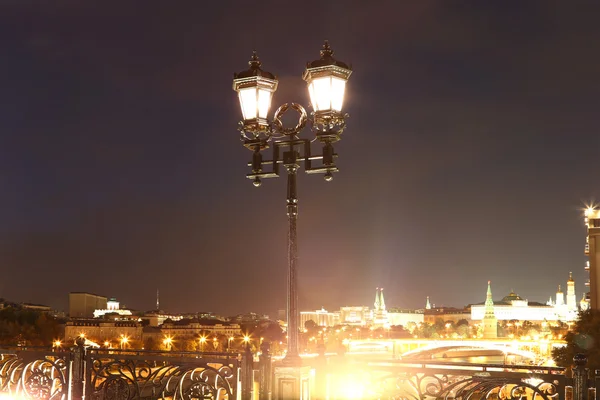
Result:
391,305
470,153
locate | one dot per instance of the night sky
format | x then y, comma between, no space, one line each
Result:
472,146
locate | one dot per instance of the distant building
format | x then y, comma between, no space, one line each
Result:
398,316
112,307
37,307
192,329
355,315
320,317
101,331
83,305
446,314
514,307
156,318
379,317
592,250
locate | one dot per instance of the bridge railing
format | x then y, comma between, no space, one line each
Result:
104,374
342,378
29,373
35,373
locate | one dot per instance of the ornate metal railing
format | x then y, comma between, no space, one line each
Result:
428,381
126,374
159,375
35,374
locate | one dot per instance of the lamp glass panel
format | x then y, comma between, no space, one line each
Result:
264,102
338,87
321,96
248,102
311,93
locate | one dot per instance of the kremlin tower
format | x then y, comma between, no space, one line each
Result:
490,323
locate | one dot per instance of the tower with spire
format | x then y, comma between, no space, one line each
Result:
428,304
379,312
571,296
490,322
560,298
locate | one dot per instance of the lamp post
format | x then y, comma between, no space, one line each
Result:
326,80
124,341
168,343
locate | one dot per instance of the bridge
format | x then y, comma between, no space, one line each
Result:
397,348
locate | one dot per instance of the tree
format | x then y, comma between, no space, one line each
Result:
584,338
311,325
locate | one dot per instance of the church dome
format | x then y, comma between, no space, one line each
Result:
512,296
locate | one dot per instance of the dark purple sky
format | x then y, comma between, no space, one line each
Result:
472,145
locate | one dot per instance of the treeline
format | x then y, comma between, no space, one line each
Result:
25,327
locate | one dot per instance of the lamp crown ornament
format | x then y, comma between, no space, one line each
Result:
255,69
327,59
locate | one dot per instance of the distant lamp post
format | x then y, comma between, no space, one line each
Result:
326,81
124,340
202,342
56,345
168,343
107,344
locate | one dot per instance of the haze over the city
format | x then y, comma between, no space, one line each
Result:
470,152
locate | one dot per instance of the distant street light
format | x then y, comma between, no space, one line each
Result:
168,341
326,81
124,341
202,341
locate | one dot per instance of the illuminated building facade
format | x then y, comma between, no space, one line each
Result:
592,250
112,307
100,331
321,317
192,329
157,318
397,316
513,307
358,315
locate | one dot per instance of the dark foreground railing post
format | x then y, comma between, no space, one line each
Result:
321,373
78,369
247,374
266,375
580,376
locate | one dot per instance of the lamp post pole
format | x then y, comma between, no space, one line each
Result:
292,166
326,79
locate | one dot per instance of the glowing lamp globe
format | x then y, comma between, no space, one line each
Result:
255,89
326,79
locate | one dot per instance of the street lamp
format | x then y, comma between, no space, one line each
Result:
202,341
124,341
168,341
326,80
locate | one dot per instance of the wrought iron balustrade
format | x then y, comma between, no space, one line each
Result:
397,379
35,373
107,374
128,374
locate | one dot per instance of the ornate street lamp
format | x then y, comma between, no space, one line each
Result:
326,79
